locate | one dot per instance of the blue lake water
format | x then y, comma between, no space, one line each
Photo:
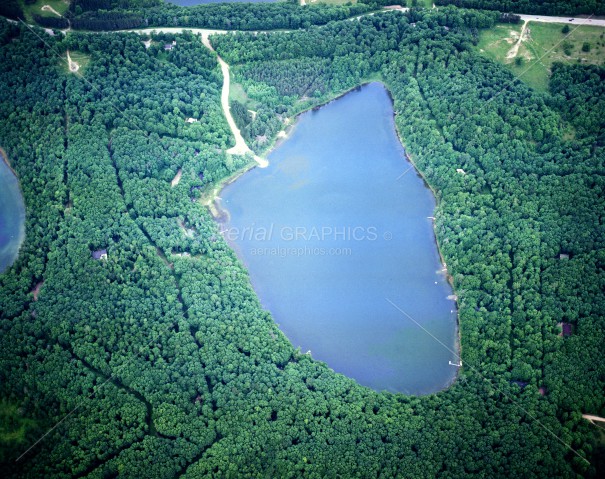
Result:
12,216
336,227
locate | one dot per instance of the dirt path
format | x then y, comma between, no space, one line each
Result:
36,290
48,8
177,178
592,418
73,66
240,148
512,53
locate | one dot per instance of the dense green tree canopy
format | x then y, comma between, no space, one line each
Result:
538,7
164,349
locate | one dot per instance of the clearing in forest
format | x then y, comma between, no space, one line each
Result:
531,49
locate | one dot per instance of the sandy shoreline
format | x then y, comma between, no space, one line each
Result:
7,163
210,199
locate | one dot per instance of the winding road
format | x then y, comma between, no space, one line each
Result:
241,147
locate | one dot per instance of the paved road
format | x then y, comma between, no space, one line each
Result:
567,20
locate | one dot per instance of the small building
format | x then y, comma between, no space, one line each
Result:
563,256
521,384
170,46
542,391
566,329
461,171
100,254
191,120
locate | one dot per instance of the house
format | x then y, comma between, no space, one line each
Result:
542,391
100,254
521,384
563,256
566,329
170,46
191,120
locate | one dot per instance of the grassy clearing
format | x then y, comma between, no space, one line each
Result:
420,3
13,426
331,2
80,58
237,93
60,6
543,44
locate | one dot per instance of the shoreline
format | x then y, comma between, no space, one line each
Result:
294,119
10,167
448,276
20,233
208,200
219,214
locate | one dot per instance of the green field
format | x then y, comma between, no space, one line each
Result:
542,45
60,6
237,93
331,2
82,59
13,426
420,3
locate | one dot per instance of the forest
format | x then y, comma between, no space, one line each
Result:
106,15
537,7
160,360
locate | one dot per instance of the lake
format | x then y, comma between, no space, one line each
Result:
333,232
12,216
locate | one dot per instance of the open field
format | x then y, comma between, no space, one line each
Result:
13,425
81,59
532,56
59,6
331,2
238,93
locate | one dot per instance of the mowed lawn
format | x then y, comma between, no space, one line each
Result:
542,45
60,6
